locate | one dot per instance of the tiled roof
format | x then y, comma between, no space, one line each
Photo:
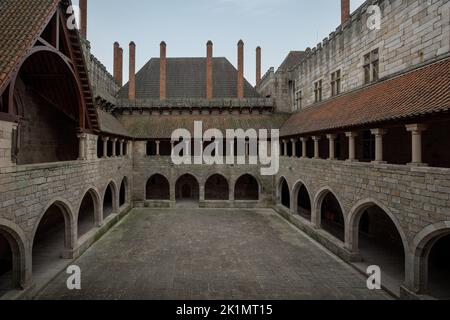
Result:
186,78
21,22
153,127
419,92
110,124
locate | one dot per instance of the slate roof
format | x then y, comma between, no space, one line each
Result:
292,59
110,124
161,127
21,22
186,78
423,91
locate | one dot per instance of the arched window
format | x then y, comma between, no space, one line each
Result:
157,188
216,188
246,188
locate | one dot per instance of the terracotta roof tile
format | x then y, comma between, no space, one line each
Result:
21,22
422,91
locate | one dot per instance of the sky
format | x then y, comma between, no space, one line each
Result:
278,26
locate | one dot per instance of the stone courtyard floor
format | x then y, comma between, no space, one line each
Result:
189,253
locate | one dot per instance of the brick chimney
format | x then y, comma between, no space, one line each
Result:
132,83
258,66
118,64
163,71
83,18
345,11
209,70
240,76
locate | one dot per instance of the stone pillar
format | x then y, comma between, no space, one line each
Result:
82,152
378,133
316,147
114,141
416,133
158,153
121,148
304,151
294,147
284,148
231,191
351,146
332,138
105,147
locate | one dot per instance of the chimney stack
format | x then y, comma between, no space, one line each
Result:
132,82
209,70
83,18
118,64
345,11
240,79
258,66
162,71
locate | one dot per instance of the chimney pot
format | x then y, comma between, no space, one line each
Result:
345,11
132,82
209,70
83,18
258,66
162,71
118,63
240,79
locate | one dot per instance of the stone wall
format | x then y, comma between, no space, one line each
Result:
6,129
145,167
412,33
417,200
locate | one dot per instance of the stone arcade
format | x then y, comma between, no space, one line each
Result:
363,120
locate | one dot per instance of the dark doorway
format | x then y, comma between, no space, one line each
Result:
332,218
187,188
304,203
285,194
123,192
108,201
157,188
216,188
247,188
439,269
86,215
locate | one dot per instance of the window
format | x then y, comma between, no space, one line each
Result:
318,91
371,66
298,100
292,91
336,83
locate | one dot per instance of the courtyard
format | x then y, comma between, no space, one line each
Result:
191,253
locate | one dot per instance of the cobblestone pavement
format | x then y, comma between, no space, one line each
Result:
210,254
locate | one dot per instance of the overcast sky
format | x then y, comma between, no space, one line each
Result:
278,26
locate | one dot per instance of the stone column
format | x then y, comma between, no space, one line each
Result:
158,148
416,133
114,141
105,147
82,137
378,133
285,149
304,151
351,146
316,147
294,147
332,138
121,147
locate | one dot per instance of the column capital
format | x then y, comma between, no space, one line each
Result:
378,131
331,136
82,135
114,139
284,141
416,128
105,139
304,139
294,140
351,134
122,140
316,138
